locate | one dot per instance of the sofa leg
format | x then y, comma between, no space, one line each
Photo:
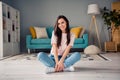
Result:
28,51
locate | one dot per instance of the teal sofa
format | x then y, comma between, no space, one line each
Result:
42,44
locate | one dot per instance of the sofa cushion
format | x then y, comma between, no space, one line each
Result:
41,32
41,41
79,41
49,31
48,41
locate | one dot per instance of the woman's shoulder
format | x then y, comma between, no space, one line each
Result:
72,34
53,32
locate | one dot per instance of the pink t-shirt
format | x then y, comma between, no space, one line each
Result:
63,46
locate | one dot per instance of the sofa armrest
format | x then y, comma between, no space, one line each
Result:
28,40
85,37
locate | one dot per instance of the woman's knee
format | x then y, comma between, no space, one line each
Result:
77,55
40,55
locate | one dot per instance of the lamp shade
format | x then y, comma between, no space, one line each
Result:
93,9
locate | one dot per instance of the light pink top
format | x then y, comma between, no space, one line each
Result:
63,46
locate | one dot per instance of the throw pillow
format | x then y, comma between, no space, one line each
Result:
40,32
76,31
32,31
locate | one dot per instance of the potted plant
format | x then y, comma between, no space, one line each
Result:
112,20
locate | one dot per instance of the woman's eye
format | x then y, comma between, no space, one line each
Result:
62,22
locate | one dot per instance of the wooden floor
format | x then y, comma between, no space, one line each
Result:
84,70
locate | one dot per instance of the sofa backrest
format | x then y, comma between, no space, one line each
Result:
49,31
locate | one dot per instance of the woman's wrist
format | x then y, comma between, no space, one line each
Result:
62,60
56,61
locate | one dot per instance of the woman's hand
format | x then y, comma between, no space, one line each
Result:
59,66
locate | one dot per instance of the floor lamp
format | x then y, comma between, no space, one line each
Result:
94,10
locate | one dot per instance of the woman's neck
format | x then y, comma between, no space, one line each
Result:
63,31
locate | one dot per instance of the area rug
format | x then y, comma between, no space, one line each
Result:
84,57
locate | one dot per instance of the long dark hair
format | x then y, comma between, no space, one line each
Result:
58,32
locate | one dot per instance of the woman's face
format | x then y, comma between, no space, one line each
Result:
62,24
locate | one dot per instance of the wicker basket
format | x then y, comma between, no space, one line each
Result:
116,36
110,46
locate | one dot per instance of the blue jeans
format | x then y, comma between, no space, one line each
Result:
49,61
